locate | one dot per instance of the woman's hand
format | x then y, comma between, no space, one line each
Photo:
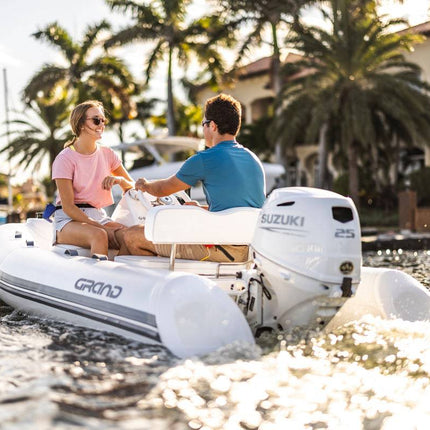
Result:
110,181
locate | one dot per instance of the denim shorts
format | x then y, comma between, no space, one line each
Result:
61,218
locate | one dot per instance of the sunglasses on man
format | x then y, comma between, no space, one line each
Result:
97,120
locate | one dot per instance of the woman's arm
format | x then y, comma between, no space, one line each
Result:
119,176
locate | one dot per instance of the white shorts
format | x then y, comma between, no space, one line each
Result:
61,218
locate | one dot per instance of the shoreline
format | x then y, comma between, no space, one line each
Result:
407,240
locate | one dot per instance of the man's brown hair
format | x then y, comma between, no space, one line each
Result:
225,111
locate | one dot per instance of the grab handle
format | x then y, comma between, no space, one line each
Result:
184,196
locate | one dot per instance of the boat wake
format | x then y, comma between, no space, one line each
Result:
371,374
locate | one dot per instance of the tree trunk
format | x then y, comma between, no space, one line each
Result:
51,186
396,163
277,87
322,157
353,181
170,112
121,139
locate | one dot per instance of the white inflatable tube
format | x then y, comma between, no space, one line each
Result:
186,313
385,293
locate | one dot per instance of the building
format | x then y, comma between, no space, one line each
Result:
254,90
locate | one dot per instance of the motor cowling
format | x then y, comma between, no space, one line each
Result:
307,254
310,231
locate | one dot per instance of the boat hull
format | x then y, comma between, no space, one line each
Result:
387,294
191,315
186,313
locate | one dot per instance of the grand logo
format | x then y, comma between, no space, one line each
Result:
287,220
99,288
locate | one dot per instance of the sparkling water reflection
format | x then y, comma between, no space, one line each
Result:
369,375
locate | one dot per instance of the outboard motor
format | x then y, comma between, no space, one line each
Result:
307,251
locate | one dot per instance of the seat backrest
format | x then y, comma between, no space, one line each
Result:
194,225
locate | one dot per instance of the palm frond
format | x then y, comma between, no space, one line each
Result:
60,38
91,36
43,82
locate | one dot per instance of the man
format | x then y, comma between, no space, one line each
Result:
232,176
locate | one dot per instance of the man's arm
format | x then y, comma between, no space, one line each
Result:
161,187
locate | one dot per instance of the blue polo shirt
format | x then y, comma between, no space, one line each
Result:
232,176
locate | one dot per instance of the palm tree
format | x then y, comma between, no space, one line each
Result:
352,83
103,77
164,23
265,18
255,137
261,16
41,132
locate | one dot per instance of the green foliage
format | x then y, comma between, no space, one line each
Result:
419,182
258,17
187,119
371,198
255,137
41,131
49,186
353,78
84,76
165,24
376,217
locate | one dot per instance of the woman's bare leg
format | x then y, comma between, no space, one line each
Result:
85,235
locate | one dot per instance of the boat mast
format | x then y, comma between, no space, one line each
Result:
6,105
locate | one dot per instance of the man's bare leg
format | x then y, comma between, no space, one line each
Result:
132,241
119,235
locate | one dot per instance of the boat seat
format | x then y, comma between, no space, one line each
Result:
202,268
188,225
193,225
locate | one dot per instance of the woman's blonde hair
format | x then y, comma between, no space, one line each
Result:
78,117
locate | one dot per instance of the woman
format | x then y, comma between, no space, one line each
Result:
85,173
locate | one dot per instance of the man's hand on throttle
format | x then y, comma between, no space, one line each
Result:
141,184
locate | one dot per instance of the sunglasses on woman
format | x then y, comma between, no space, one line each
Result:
97,120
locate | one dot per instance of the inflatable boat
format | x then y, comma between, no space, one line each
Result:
304,269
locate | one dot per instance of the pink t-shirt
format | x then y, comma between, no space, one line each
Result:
87,173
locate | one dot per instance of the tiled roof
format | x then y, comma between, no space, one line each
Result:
423,28
263,65
255,68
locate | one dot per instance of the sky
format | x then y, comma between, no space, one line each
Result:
21,55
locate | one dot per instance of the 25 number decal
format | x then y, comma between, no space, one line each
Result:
344,233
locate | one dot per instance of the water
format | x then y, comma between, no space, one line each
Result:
374,374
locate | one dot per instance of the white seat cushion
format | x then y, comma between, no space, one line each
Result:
194,225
